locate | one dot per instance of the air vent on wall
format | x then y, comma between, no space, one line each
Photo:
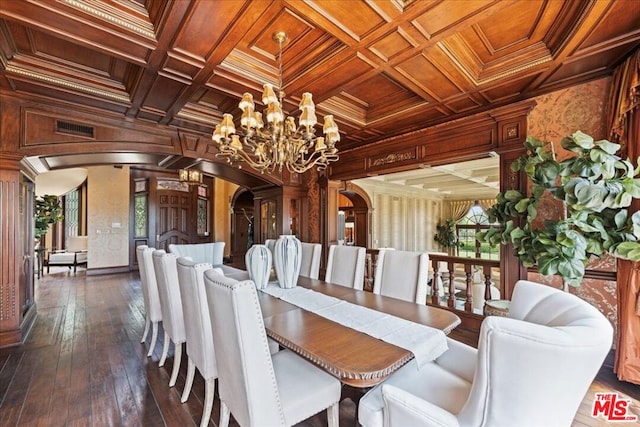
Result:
74,129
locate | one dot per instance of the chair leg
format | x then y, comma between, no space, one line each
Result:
209,391
154,337
332,415
147,324
224,415
165,349
191,371
177,358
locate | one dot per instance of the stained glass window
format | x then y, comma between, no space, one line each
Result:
71,212
141,215
203,215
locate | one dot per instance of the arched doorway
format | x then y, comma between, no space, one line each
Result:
356,206
242,235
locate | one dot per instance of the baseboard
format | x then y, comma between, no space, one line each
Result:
18,336
10,338
108,270
28,321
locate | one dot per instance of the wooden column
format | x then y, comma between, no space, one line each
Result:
17,309
511,269
512,128
627,357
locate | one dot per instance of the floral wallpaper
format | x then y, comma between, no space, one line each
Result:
556,115
563,112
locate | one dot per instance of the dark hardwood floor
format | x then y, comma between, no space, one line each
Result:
83,364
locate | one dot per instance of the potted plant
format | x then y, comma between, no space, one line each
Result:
596,187
48,210
446,234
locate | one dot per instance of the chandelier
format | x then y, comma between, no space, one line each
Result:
190,176
279,142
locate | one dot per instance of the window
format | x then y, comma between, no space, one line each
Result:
476,219
203,211
140,209
72,213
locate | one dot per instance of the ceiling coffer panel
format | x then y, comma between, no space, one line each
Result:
428,77
445,15
203,30
363,18
393,44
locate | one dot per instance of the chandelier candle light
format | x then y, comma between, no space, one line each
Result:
278,143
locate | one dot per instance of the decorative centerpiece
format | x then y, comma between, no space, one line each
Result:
258,262
287,260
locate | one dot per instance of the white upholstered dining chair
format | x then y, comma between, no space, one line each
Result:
345,266
258,388
403,275
153,312
166,270
310,260
211,252
197,323
531,368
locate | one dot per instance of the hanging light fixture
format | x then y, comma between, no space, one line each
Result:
279,142
190,176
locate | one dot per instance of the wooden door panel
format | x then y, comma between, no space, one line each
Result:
173,218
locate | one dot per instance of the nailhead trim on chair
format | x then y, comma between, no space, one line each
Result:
240,284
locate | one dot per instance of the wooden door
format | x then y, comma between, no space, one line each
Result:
174,219
242,228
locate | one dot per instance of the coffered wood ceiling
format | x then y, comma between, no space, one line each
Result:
382,67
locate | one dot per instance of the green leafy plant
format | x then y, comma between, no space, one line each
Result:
446,234
48,210
596,187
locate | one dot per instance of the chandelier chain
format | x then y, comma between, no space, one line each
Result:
280,83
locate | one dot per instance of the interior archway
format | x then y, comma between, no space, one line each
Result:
242,235
356,205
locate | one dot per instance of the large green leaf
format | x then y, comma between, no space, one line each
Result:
571,268
522,205
590,196
632,186
548,265
620,218
513,195
629,250
583,140
607,146
595,247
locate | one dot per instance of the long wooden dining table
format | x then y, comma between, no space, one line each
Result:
357,359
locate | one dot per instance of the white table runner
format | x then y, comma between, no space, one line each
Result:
424,342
